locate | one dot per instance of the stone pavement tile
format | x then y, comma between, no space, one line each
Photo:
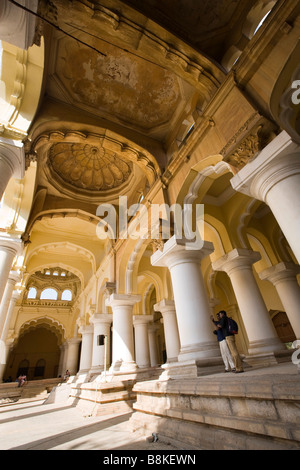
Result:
59,427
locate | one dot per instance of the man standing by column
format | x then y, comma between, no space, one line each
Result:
230,340
225,352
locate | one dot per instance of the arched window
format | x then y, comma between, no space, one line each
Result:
49,294
66,295
39,369
32,293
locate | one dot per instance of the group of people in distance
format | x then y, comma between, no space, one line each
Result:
226,338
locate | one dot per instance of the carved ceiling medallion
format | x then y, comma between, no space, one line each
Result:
88,167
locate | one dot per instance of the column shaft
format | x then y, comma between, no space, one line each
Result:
102,325
12,162
190,296
258,324
142,351
13,278
283,276
86,348
9,248
71,356
167,309
123,342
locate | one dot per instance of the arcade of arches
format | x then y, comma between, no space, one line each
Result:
109,109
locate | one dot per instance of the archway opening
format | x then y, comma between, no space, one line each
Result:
37,348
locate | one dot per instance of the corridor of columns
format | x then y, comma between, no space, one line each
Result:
149,179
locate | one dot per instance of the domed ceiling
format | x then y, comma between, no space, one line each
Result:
88,167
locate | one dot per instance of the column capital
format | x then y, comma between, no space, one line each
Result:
280,272
178,250
14,277
11,244
16,295
142,319
239,258
71,341
278,160
153,328
164,306
86,329
101,318
116,300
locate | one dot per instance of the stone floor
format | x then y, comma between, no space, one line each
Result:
34,425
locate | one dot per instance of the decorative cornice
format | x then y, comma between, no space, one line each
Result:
250,139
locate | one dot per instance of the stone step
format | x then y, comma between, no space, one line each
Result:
9,393
236,412
113,395
103,398
37,389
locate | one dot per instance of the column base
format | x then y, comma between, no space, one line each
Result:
200,351
137,375
261,360
121,366
192,368
82,376
266,346
266,353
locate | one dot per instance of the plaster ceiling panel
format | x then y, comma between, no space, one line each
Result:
118,85
74,229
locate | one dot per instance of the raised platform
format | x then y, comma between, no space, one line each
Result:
255,410
34,389
110,394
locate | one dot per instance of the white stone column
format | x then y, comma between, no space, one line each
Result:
17,26
274,177
190,296
168,311
13,278
3,337
71,356
87,333
142,351
154,359
123,343
260,330
62,359
283,276
12,162
9,248
12,303
102,326
5,351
